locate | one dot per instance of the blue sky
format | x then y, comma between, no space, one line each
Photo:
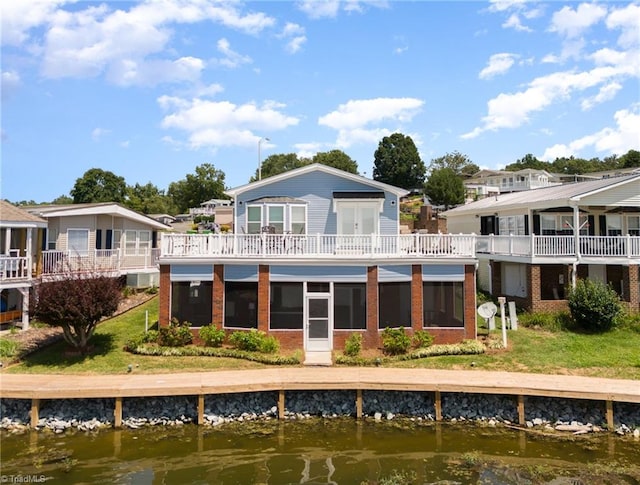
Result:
150,90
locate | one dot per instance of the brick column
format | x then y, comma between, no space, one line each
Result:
164,294
263,297
470,302
533,277
217,296
371,336
634,287
416,297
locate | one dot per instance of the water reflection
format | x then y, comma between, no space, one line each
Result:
335,452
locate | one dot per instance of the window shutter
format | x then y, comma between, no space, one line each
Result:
109,241
98,238
592,225
536,224
602,220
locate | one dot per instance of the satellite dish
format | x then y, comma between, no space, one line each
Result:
487,310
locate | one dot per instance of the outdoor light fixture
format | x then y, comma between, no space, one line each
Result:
259,159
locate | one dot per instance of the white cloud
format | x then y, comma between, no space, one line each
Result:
626,19
222,123
308,150
209,91
17,18
231,58
513,109
513,22
295,35
95,40
572,23
9,83
606,93
498,64
153,72
317,9
125,144
503,5
353,119
98,133
619,140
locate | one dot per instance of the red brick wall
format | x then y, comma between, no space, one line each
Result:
164,295
217,297
634,287
263,297
371,338
416,297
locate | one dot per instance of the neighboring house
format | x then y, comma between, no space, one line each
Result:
166,219
208,208
100,238
533,245
315,256
21,236
517,181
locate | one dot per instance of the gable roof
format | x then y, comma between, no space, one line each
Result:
98,208
546,197
12,216
316,167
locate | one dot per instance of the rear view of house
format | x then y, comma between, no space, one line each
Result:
316,255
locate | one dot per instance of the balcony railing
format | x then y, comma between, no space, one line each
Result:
101,261
560,246
317,245
13,268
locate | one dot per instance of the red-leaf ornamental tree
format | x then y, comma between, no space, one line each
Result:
76,304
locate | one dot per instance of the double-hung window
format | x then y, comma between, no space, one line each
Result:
136,243
633,225
275,217
298,219
254,219
78,241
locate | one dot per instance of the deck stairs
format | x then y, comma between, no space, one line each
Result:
318,358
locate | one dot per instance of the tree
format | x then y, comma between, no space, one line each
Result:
76,304
528,161
630,159
397,162
337,159
444,187
62,200
97,185
148,199
279,163
459,163
207,183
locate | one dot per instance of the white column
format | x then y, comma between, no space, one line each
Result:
7,241
29,251
25,308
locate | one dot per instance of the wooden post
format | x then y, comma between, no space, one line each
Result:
438,405
359,404
117,413
35,412
200,409
521,418
610,423
281,404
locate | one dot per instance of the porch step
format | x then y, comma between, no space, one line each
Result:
318,358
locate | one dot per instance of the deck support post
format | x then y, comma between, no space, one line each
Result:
200,409
117,413
358,403
610,423
281,404
438,405
521,417
35,412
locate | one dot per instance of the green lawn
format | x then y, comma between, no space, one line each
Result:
614,354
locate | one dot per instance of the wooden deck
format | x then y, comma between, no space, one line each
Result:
519,385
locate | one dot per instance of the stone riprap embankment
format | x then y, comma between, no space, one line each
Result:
92,414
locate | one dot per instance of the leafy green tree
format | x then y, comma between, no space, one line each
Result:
337,159
97,185
528,161
279,163
444,187
76,304
594,306
62,200
397,162
206,183
458,162
630,159
574,166
148,199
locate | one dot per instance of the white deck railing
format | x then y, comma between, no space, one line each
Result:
13,268
307,245
559,246
97,261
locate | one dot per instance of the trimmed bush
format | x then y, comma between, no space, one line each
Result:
254,341
552,322
395,341
212,336
177,334
269,345
422,339
353,345
594,306
144,338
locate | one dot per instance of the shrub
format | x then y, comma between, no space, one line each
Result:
395,341
152,290
594,306
422,339
254,341
630,321
212,336
177,334
8,348
144,338
552,322
353,345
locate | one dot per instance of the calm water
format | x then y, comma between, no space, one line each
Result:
315,451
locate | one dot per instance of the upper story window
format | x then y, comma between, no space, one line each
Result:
633,223
282,217
52,237
614,225
78,241
136,242
511,225
275,217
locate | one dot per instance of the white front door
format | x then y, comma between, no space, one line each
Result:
318,328
356,218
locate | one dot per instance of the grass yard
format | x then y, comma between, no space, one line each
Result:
615,354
